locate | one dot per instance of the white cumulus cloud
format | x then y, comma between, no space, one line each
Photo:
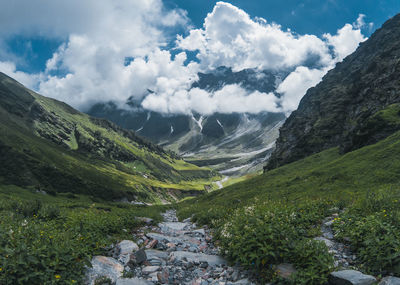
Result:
115,49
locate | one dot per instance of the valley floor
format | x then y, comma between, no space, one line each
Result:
172,253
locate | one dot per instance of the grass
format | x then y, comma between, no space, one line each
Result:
272,218
50,239
47,144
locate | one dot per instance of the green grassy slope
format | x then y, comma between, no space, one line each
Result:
45,144
273,218
327,174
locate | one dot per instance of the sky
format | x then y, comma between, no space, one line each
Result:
84,52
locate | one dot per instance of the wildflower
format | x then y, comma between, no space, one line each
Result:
57,276
1,269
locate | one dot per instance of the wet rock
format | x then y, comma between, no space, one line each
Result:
390,280
350,277
104,267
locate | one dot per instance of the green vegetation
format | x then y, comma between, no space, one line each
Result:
271,218
47,145
372,224
49,240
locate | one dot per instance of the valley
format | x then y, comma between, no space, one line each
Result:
125,195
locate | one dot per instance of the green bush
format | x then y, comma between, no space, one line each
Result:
372,226
266,234
46,243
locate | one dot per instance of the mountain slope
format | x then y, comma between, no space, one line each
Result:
47,145
234,144
356,104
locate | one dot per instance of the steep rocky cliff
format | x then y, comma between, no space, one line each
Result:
356,103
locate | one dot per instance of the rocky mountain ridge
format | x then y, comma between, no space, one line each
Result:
356,103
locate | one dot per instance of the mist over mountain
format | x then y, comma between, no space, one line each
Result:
234,143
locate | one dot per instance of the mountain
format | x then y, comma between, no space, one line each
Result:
233,144
356,104
46,145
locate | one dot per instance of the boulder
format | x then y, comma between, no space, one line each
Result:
103,266
145,220
124,249
133,281
212,260
390,280
350,277
150,269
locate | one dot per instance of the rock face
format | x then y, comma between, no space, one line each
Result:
356,104
350,277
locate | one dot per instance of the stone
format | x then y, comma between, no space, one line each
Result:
125,248
152,244
200,232
241,282
327,242
285,270
199,257
133,281
350,277
140,256
173,226
153,253
103,266
145,220
390,280
150,269
163,277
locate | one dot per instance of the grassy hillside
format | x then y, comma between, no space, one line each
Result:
271,218
47,145
47,239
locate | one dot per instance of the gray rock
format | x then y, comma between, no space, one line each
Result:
198,257
327,242
145,220
150,269
104,267
200,232
153,253
390,280
350,277
173,226
241,282
133,281
125,248
285,270
140,256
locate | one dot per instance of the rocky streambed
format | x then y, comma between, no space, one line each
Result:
174,252
170,253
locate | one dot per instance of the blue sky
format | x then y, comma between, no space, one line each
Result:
76,50
311,16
